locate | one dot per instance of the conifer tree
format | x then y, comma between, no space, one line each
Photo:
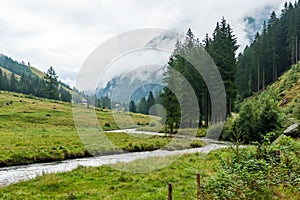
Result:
132,107
150,102
222,49
51,84
142,107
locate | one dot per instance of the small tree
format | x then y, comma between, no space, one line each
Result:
51,84
172,107
269,119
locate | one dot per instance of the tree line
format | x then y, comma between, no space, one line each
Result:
47,87
145,105
221,47
272,52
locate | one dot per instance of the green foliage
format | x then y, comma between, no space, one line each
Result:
181,72
222,48
171,104
65,95
257,117
264,173
145,105
104,102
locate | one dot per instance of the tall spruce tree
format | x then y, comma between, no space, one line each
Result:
180,76
222,48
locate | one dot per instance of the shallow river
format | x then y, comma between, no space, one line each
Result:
14,174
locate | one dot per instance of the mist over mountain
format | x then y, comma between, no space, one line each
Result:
134,85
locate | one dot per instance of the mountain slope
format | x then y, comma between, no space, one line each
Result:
30,80
134,85
273,50
9,73
14,66
37,72
285,92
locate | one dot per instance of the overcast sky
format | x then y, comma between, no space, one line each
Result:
63,33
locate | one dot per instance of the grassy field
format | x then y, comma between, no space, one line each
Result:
225,174
39,130
148,143
107,183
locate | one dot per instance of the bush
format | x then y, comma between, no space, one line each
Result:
196,144
255,120
257,173
230,127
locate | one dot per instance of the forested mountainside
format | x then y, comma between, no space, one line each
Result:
23,78
268,113
273,51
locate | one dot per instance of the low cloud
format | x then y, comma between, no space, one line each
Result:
64,33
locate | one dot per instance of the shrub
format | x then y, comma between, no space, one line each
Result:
257,172
255,120
196,144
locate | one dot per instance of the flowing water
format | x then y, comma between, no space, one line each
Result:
15,174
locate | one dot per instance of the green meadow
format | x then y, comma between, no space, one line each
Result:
40,130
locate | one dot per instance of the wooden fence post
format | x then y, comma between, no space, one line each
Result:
198,186
170,191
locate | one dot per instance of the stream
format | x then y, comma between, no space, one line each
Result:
15,174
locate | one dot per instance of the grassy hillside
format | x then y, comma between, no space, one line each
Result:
285,92
36,130
267,114
42,74
9,66
9,73
14,66
37,72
